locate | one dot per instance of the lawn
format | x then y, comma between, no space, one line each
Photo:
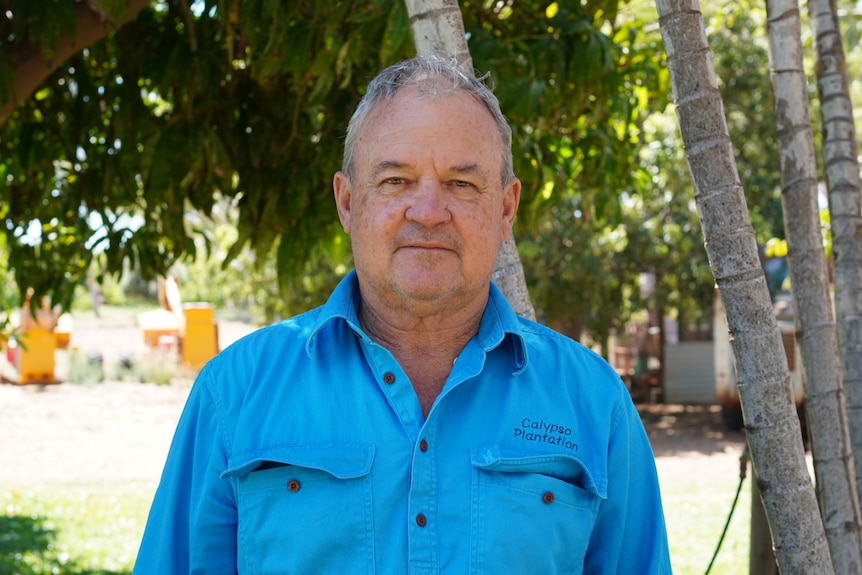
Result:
94,528
72,528
696,512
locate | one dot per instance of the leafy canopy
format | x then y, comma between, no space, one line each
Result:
245,101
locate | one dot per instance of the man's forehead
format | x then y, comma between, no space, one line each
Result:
461,167
403,107
421,94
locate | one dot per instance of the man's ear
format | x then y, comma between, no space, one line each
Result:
511,199
341,187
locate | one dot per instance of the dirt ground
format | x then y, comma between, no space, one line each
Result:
122,430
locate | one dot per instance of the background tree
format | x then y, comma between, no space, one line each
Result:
579,125
582,85
815,324
841,166
772,427
738,41
582,272
438,29
652,211
42,36
247,100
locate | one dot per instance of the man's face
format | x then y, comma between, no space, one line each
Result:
426,210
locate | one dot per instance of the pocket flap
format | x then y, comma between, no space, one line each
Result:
343,461
557,465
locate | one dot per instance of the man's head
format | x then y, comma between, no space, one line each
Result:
429,194
435,76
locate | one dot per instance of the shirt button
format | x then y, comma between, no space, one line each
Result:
423,445
548,497
421,520
293,485
389,378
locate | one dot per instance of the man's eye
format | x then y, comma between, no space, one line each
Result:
394,181
461,184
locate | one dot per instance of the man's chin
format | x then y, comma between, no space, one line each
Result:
427,286
426,293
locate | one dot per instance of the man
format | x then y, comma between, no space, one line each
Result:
413,424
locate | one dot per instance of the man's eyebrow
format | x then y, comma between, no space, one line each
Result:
386,165
467,168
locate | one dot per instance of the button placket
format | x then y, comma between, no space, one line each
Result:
423,498
394,385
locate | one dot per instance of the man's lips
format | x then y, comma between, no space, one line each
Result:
427,243
438,247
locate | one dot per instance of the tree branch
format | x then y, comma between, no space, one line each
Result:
189,21
90,27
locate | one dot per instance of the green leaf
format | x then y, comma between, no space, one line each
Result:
397,28
115,9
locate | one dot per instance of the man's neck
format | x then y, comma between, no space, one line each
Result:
424,346
447,331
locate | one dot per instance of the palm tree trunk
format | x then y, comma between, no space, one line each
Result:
438,28
845,208
772,426
809,279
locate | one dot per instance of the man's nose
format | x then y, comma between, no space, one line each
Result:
429,204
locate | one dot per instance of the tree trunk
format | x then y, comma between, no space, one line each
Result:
438,28
845,208
772,426
761,559
809,281
31,68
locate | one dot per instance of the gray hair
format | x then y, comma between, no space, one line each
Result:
437,76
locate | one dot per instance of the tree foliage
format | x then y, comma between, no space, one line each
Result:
247,99
126,147
655,227
244,99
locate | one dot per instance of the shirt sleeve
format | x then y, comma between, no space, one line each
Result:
192,522
629,534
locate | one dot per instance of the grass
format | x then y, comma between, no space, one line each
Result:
696,512
94,528
72,528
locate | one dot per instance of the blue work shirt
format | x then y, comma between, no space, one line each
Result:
303,450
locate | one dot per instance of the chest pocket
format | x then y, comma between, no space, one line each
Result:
531,513
304,510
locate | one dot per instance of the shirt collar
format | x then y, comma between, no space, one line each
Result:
342,304
499,321
500,324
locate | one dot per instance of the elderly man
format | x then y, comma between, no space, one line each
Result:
413,424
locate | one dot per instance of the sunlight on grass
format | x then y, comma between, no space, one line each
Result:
696,512
75,529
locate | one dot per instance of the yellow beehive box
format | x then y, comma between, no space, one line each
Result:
200,334
157,323
34,356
